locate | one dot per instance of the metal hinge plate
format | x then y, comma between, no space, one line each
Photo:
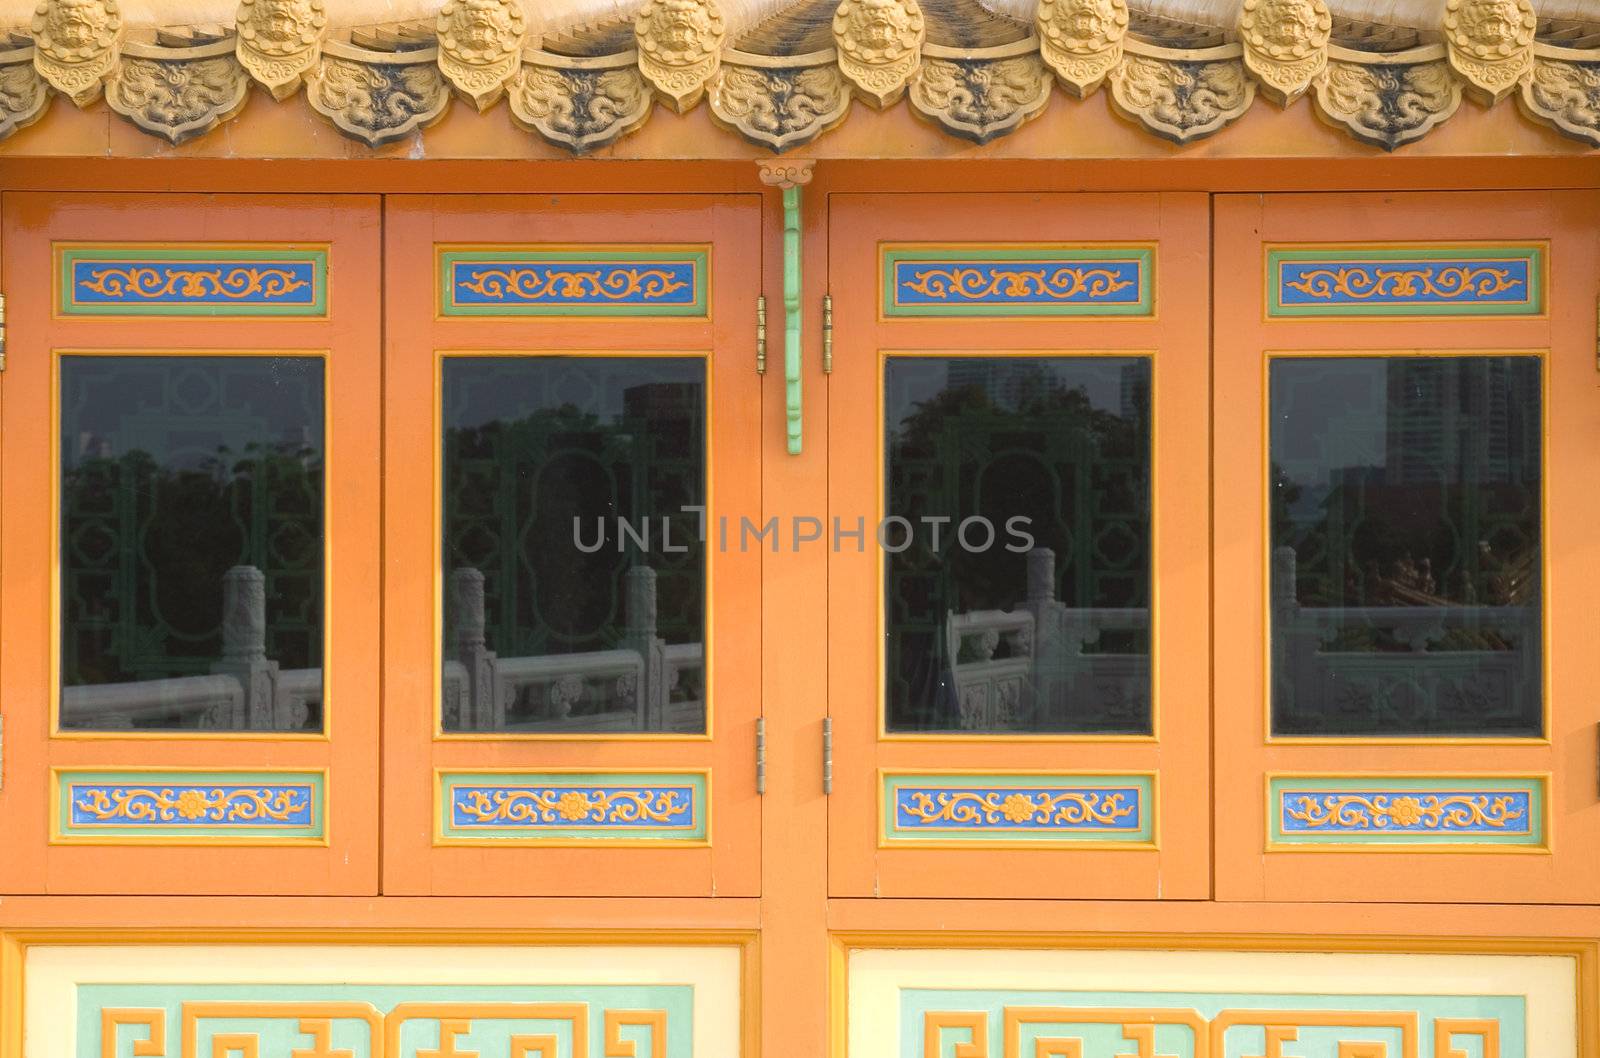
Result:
761,755
827,754
761,334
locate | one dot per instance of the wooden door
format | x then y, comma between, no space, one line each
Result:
1405,561
573,675
1019,707
189,664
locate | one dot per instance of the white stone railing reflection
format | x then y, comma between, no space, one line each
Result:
628,688
1045,678
247,691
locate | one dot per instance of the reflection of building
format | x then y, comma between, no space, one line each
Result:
1457,421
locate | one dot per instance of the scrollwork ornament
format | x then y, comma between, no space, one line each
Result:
1181,100
1490,43
76,44
279,41
1387,105
1081,40
981,100
783,108
378,103
480,46
1565,96
880,46
1285,44
680,48
581,109
23,96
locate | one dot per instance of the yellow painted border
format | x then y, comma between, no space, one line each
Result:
56,300
440,841
880,694
707,248
436,459
54,615
1153,845
1547,719
1416,244
1361,848
134,839
1154,246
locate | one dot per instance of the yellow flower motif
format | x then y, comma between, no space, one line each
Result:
573,805
1018,808
1405,811
192,804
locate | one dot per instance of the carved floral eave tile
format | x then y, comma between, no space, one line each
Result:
880,46
680,48
1387,100
780,102
1285,45
1081,40
1490,44
178,93
480,46
23,93
980,95
1563,91
1181,96
279,42
378,97
580,104
75,45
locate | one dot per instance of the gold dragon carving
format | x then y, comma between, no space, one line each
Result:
680,48
780,108
480,46
178,93
1285,44
379,101
23,94
1387,105
76,44
279,41
1081,40
1565,96
1490,44
1180,100
981,100
581,108
880,46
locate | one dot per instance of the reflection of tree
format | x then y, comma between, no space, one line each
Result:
145,546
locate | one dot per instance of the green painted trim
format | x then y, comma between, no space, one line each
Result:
514,830
1533,253
236,833
69,255
977,253
1531,831
792,329
699,258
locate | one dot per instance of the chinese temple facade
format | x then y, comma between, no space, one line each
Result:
799,529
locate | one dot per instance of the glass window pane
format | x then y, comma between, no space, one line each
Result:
1017,544
574,570
1406,558
191,542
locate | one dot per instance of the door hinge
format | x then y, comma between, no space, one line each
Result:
761,334
827,755
827,334
2,332
761,755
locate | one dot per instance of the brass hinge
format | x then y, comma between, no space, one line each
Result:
827,334
827,754
761,334
761,755
2,332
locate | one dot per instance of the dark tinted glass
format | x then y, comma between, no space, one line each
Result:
1017,534
574,571
191,542
1406,546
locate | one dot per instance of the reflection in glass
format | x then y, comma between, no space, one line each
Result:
191,542
1046,627
1406,546
574,571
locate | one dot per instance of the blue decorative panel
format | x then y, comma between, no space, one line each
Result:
384,1021
598,281
1032,280
561,807
1445,280
253,280
1407,812
941,1023
188,807
950,807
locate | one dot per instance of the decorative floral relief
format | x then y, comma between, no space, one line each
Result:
1419,283
680,47
1081,40
981,99
378,103
75,45
1285,44
1490,43
1565,95
1035,808
880,46
780,108
554,806
178,100
1388,105
957,283
192,805
134,283
1425,812
1180,100
480,46
279,41
580,109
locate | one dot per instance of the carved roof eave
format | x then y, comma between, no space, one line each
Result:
1386,99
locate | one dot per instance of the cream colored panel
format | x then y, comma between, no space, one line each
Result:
370,1001
1189,1004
